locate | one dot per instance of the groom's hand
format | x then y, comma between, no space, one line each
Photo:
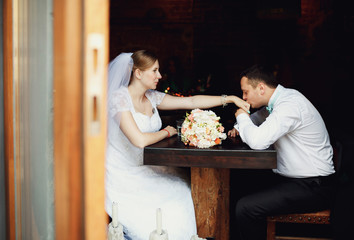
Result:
240,111
233,133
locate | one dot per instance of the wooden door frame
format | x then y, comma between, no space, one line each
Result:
8,119
68,139
78,155
79,194
96,41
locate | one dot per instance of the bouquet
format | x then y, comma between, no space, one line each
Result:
202,129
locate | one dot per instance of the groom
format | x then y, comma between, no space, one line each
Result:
305,172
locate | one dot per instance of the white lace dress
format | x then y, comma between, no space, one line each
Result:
139,189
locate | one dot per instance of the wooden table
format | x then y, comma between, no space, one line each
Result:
210,176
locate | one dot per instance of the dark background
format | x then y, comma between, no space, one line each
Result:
309,43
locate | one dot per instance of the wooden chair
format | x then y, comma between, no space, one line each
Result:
321,217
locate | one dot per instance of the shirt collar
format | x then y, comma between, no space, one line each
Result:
274,98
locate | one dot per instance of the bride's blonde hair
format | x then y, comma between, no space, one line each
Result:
143,60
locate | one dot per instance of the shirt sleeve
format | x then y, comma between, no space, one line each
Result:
257,118
284,119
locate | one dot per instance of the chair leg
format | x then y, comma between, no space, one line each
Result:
270,230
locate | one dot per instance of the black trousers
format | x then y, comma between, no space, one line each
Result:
287,195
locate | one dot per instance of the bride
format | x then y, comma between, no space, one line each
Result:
134,123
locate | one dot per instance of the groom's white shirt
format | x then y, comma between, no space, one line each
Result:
297,131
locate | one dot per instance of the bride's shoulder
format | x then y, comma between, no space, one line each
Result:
155,95
121,93
122,90
120,97
119,101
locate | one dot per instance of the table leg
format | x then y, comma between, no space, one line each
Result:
211,192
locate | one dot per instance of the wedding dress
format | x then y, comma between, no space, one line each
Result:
139,189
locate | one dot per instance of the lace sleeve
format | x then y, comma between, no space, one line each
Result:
119,102
156,96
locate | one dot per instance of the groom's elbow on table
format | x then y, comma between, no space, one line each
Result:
256,143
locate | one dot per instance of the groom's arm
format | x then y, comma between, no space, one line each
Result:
282,120
257,118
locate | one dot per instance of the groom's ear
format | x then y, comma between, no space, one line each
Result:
261,88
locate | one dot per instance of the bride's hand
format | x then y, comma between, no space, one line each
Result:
171,130
242,104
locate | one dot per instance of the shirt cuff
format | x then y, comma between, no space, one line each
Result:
242,117
237,127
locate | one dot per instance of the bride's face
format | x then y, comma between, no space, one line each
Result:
151,76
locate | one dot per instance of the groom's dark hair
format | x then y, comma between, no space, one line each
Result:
260,73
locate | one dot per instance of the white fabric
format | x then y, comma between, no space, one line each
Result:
138,189
119,72
297,131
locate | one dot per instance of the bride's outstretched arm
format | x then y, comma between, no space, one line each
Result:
138,138
201,101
